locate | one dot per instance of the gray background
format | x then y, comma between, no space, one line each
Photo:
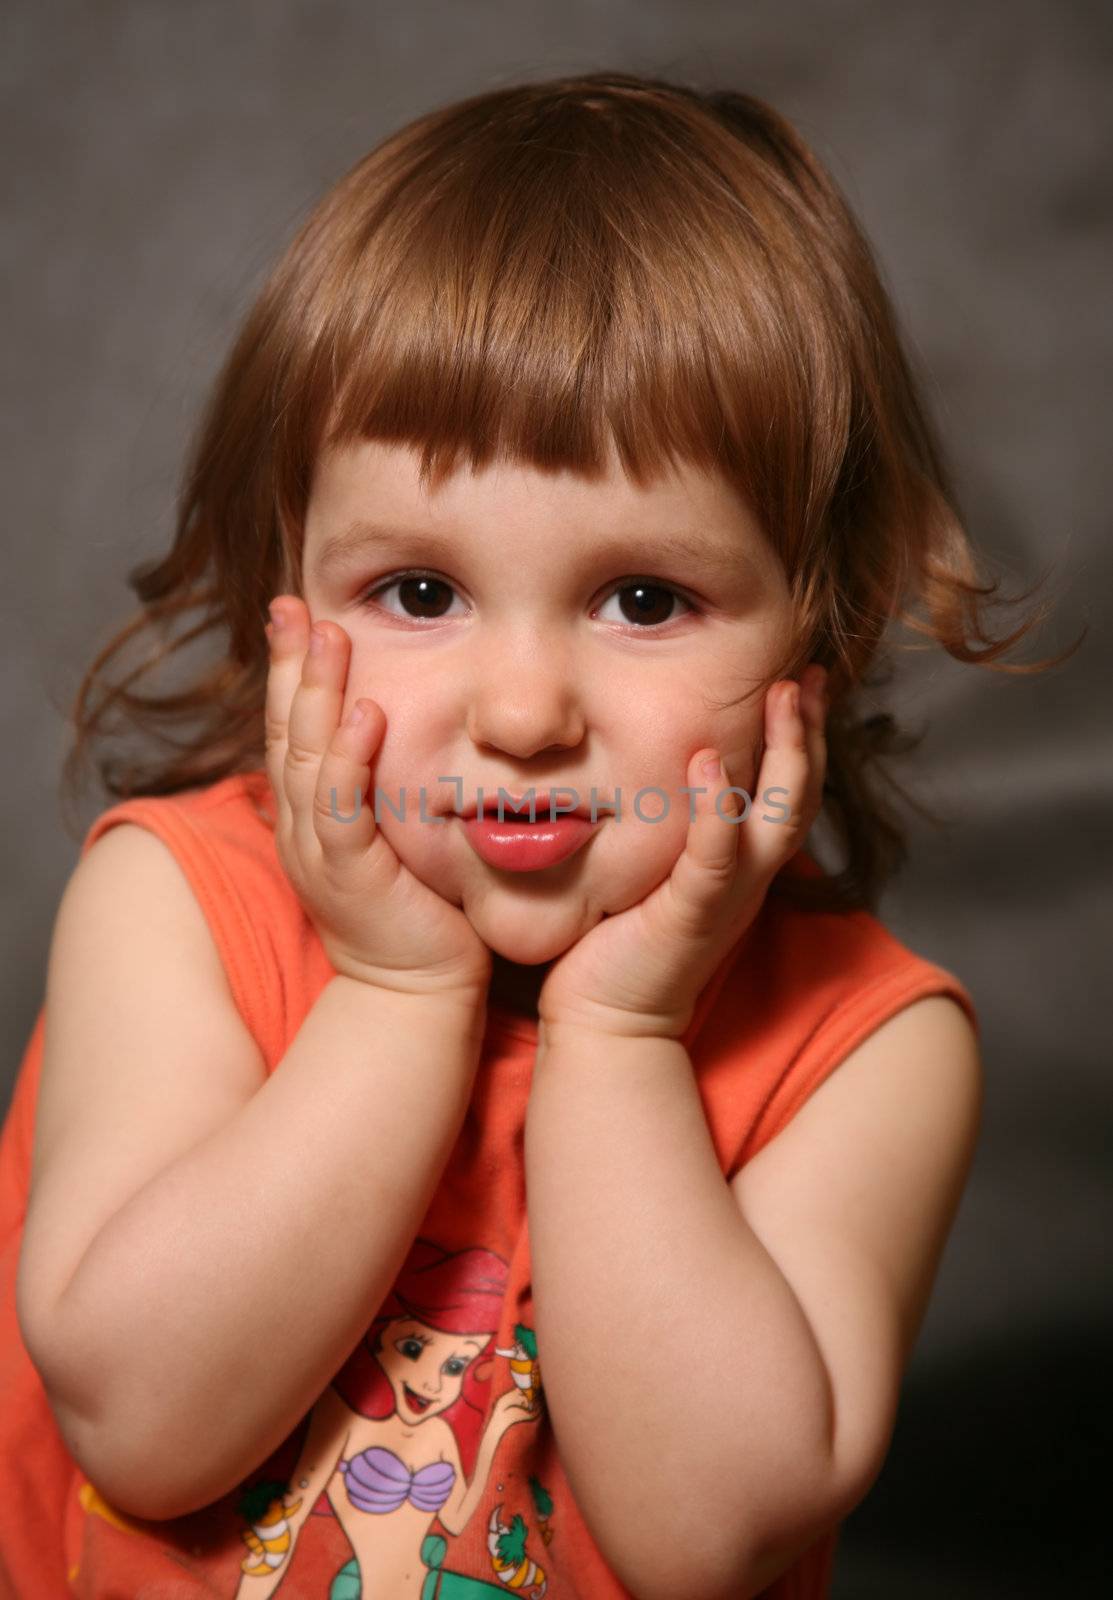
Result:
159,156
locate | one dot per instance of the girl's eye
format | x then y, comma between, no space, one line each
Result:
650,604
424,591
424,596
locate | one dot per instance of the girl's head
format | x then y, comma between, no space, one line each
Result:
558,326
534,657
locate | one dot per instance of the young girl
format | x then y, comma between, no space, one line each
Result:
468,1142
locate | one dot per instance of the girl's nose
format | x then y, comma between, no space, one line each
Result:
524,699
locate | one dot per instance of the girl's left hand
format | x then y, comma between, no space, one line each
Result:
640,971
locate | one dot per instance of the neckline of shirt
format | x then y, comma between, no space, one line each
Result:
513,1023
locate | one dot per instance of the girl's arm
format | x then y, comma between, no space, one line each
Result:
730,1355
204,1244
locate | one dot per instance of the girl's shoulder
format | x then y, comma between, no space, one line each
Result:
222,839
801,991
826,957
237,809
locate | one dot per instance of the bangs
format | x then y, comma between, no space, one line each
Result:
548,278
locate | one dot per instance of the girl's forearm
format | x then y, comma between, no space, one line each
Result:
214,1307
679,1369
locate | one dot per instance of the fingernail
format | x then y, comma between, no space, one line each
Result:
316,641
356,714
278,617
712,768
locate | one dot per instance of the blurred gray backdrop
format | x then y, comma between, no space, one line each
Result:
160,156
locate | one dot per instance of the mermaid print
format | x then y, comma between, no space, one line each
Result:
383,1440
516,1569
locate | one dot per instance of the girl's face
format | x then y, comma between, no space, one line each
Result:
533,662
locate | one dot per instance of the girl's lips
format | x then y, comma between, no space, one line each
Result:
527,846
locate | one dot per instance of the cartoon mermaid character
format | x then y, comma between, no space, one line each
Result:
384,1439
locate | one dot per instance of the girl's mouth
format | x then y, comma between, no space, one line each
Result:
518,846
415,1400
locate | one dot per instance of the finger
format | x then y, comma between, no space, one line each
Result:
780,815
712,842
345,807
314,715
286,635
708,865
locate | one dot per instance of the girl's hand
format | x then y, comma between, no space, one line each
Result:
640,972
377,922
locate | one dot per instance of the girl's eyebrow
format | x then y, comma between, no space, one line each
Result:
716,555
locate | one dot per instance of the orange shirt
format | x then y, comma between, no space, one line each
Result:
789,1002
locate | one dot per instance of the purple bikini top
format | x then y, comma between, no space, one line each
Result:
377,1481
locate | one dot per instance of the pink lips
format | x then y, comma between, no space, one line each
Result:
527,846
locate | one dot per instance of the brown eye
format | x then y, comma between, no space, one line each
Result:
422,595
648,605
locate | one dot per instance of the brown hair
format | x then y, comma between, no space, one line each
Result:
529,275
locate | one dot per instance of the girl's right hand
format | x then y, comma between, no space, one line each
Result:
377,921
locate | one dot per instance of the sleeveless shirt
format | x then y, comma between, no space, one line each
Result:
789,1002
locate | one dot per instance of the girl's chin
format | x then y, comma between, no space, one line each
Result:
529,941
529,927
